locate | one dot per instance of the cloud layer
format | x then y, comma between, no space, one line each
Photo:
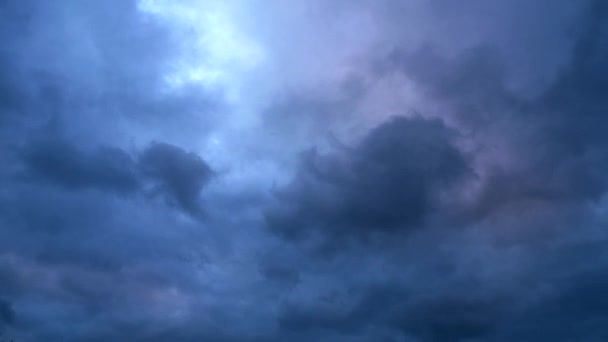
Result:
354,171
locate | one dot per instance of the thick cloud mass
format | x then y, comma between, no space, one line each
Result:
389,182
181,174
62,163
361,170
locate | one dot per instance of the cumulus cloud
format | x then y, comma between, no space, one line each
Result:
178,175
391,181
182,175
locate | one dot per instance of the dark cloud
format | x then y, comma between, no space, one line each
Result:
481,219
80,247
542,148
181,175
7,314
453,319
538,161
390,181
576,309
424,316
544,300
59,162
176,174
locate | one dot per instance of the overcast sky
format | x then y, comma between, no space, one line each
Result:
304,170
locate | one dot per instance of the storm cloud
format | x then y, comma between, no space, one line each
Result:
368,188
354,171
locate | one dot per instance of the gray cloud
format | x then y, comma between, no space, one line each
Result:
177,175
537,161
7,315
390,181
58,162
479,218
182,175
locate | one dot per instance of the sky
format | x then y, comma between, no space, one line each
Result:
304,170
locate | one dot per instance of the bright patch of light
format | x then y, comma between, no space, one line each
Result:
214,51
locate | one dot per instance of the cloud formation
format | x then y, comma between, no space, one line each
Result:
182,175
354,171
391,181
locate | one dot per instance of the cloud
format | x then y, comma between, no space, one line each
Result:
532,212
59,162
385,171
390,182
7,314
176,174
181,175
